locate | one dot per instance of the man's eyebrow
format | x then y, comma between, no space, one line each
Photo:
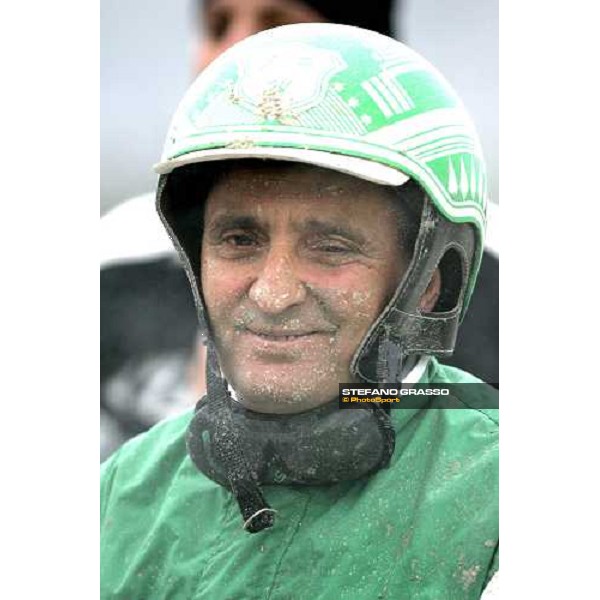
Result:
332,228
226,221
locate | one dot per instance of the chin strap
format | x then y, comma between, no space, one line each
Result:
390,360
257,514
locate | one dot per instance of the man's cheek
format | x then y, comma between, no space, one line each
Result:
354,302
221,286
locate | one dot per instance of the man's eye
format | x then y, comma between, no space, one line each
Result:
240,239
332,247
332,252
217,25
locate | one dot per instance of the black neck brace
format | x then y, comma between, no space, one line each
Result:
242,450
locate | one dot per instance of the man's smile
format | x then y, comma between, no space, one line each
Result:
277,342
282,336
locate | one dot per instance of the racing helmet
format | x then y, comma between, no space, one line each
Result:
360,103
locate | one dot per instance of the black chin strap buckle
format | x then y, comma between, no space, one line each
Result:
260,520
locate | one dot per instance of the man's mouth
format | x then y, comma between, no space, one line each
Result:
282,336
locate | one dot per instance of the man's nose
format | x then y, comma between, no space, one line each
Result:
277,286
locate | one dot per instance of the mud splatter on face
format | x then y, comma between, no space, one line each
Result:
297,263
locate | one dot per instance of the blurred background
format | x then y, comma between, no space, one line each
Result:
147,64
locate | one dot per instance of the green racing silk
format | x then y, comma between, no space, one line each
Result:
426,527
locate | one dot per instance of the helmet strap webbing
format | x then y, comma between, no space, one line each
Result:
389,360
257,514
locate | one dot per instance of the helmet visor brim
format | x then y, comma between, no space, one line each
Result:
350,165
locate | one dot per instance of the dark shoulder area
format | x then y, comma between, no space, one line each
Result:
477,341
146,307
164,441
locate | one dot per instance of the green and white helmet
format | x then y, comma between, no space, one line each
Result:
360,103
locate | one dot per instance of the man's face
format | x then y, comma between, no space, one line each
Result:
297,263
226,22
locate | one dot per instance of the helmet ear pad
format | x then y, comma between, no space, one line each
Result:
440,244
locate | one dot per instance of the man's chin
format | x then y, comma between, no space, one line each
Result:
266,398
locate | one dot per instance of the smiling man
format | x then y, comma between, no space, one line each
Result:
294,272
326,192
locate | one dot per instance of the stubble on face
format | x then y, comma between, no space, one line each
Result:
297,263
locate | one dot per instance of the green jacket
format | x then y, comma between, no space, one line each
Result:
424,528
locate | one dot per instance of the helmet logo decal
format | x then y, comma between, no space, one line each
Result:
276,82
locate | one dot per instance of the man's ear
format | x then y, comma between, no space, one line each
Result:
432,293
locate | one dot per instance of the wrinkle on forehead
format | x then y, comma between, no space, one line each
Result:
297,179
271,181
